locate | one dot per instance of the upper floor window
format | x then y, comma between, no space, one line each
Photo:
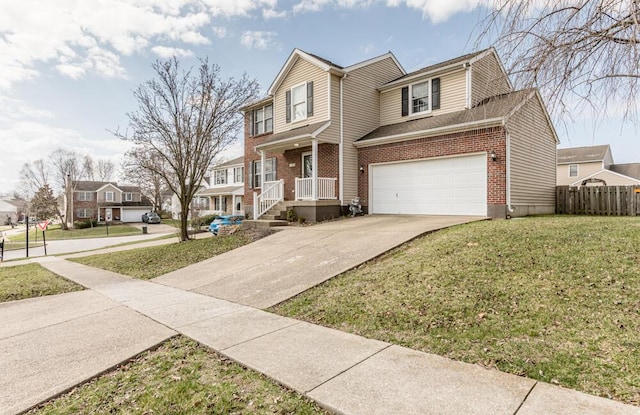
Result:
238,174
573,170
128,197
220,177
109,196
84,196
261,120
299,102
421,97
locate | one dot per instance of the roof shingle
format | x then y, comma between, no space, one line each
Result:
582,154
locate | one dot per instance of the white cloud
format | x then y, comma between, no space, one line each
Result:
167,52
220,32
18,110
273,14
258,39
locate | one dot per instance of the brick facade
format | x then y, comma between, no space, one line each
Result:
474,141
288,164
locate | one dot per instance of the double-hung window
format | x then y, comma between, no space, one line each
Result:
128,197
262,120
573,170
109,196
269,172
421,97
299,102
220,177
238,174
84,196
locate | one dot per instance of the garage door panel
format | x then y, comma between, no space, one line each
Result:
447,186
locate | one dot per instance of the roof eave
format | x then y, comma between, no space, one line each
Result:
491,122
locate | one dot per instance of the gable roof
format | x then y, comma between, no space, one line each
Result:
235,161
582,154
629,169
93,186
492,111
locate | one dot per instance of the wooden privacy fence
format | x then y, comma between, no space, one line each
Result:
598,200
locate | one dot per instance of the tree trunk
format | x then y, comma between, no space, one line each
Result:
184,216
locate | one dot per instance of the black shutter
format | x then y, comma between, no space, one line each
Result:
405,101
250,175
251,118
275,174
309,99
288,109
435,93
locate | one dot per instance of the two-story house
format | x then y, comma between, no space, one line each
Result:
104,201
593,165
225,188
452,138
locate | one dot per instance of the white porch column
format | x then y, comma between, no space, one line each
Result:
220,203
263,159
314,169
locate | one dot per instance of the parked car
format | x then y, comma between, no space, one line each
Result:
224,220
152,217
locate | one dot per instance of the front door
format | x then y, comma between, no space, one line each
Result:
108,214
307,165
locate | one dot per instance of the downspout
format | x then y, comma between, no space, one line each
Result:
510,209
341,146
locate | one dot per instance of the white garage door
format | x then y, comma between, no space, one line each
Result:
443,186
133,215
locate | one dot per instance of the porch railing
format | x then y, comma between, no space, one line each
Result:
326,188
272,193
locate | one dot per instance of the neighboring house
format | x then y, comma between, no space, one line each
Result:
594,166
105,201
450,139
10,210
221,191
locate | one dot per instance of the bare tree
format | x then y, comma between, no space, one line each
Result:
578,52
151,184
33,176
65,163
184,119
104,170
88,168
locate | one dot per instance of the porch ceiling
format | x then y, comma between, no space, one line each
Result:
298,137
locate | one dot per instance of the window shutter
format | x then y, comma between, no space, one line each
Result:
275,176
435,93
309,99
288,109
250,181
251,118
405,101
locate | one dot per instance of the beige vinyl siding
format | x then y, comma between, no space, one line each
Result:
117,194
613,179
584,170
487,79
361,113
332,134
452,98
302,71
533,160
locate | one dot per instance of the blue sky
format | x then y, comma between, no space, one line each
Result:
68,67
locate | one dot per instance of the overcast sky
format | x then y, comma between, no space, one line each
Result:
68,67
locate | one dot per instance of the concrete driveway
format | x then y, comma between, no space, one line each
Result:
295,259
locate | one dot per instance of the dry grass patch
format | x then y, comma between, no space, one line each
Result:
552,298
180,377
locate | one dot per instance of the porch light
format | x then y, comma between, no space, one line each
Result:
361,169
493,155
296,144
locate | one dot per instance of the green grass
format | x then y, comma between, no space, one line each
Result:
551,298
147,263
32,280
180,377
56,233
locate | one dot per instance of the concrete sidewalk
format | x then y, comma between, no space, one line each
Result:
345,373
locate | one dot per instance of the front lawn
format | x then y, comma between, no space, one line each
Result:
55,232
551,298
32,280
147,263
180,377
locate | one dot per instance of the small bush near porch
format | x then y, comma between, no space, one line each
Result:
552,298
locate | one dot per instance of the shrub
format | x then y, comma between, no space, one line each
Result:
203,220
85,224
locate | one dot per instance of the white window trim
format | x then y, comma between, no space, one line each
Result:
264,120
128,197
577,170
223,174
429,88
304,85
235,174
302,156
113,197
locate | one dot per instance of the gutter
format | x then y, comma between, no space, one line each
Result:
341,145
